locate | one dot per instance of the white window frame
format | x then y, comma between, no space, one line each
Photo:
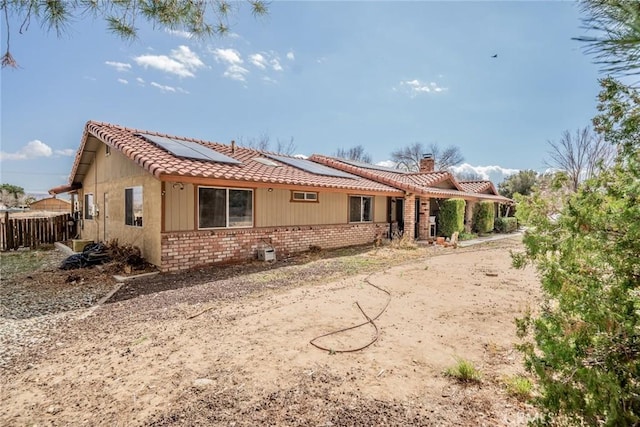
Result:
227,189
307,196
88,206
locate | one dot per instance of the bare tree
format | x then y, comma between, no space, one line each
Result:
356,153
263,143
469,176
581,155
286,147
408,158
448,157
260,143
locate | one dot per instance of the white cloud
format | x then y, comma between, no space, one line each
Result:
493,173
269,80
182,34
123,81
236,72
258,60
415,87
182,62
119,66
170,89
66,152
266,60
275,64
387,164
228,56
163,87
232,59
184,55
291,56
33,149
140,80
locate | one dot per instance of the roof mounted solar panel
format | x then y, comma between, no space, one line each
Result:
266,162
189,149
312,167
371,166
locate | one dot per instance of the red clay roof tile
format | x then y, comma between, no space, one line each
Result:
160,162
420,183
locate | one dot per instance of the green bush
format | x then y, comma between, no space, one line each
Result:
506,224
519,387
582,345
464,371
483,214
467,236
451,217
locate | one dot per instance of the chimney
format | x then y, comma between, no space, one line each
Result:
427,163
233,147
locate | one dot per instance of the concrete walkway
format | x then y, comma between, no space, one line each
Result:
466,243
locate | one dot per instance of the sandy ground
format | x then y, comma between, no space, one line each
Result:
165,359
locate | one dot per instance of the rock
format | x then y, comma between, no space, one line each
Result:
202,382
54,409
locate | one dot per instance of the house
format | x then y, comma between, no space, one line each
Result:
186,202
415,213
51,204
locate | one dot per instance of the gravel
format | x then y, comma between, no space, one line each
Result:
34,305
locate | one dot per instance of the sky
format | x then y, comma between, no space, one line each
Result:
325,75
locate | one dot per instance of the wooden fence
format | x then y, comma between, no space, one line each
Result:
33,232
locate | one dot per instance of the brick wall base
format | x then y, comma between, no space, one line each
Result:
184,250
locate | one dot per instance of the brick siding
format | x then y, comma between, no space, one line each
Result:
184,250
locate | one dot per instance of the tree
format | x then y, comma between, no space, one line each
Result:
521,183
11,195
199,18
260,143
263,143
408,158
356,153
584,344
285,147
581,155
469,176
617,23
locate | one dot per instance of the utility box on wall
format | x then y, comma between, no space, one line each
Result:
267,254
78,245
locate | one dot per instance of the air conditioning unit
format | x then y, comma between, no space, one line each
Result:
267,254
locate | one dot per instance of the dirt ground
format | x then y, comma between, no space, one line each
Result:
212,353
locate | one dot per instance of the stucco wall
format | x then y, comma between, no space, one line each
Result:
111,175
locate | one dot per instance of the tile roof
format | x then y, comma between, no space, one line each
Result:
420,183
166,166
478,186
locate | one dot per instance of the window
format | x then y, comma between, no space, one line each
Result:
304,196
360,209
88,206
133,206
224,207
